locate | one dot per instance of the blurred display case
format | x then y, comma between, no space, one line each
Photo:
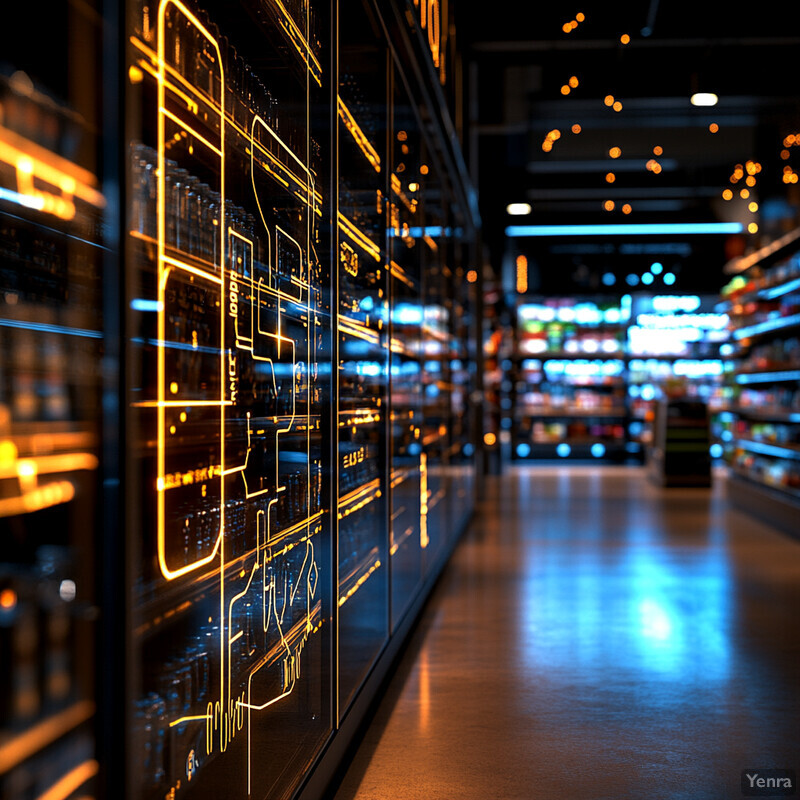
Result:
53,224
762,417
236,356
569,392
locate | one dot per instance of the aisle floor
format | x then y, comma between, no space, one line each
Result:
595,636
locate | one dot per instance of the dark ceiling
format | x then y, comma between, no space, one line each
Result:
519,58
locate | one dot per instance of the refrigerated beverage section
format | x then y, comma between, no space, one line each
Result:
236,371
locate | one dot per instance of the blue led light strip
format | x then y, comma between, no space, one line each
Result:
41,327
768,449
632,229
769,377
767,325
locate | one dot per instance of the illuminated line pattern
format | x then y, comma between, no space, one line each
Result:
360,138
254,313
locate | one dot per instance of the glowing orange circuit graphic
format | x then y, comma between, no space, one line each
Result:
236,356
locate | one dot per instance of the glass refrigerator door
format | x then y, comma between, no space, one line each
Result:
363,567
436,381
406,315
52,214
227,327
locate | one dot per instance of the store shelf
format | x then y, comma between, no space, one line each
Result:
770,326
16,748
779,506
767,376
769,449
764,414
569,413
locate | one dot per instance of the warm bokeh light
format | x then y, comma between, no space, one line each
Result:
576,128
658,150
744,194
555,134
626,209
566,27
789,140
617,106
573,82
489,439
522,274
8,599
608,205
609,99
713,127
472,276
753,207
580,16
615,152
625,39
785,154
751,180
565,90
727,195
423,170
610,177
752,228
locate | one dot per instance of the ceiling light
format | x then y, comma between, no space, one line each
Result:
627,229
518,209
704,99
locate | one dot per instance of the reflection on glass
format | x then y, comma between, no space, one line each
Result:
363,569
405,215
228,329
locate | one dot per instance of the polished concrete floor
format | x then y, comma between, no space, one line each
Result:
595,636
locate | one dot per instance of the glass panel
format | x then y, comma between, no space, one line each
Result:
227,328
406,329
363,357
52,215
436,370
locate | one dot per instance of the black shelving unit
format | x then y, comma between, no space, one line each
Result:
763,419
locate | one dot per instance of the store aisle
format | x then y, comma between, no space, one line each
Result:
595,637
